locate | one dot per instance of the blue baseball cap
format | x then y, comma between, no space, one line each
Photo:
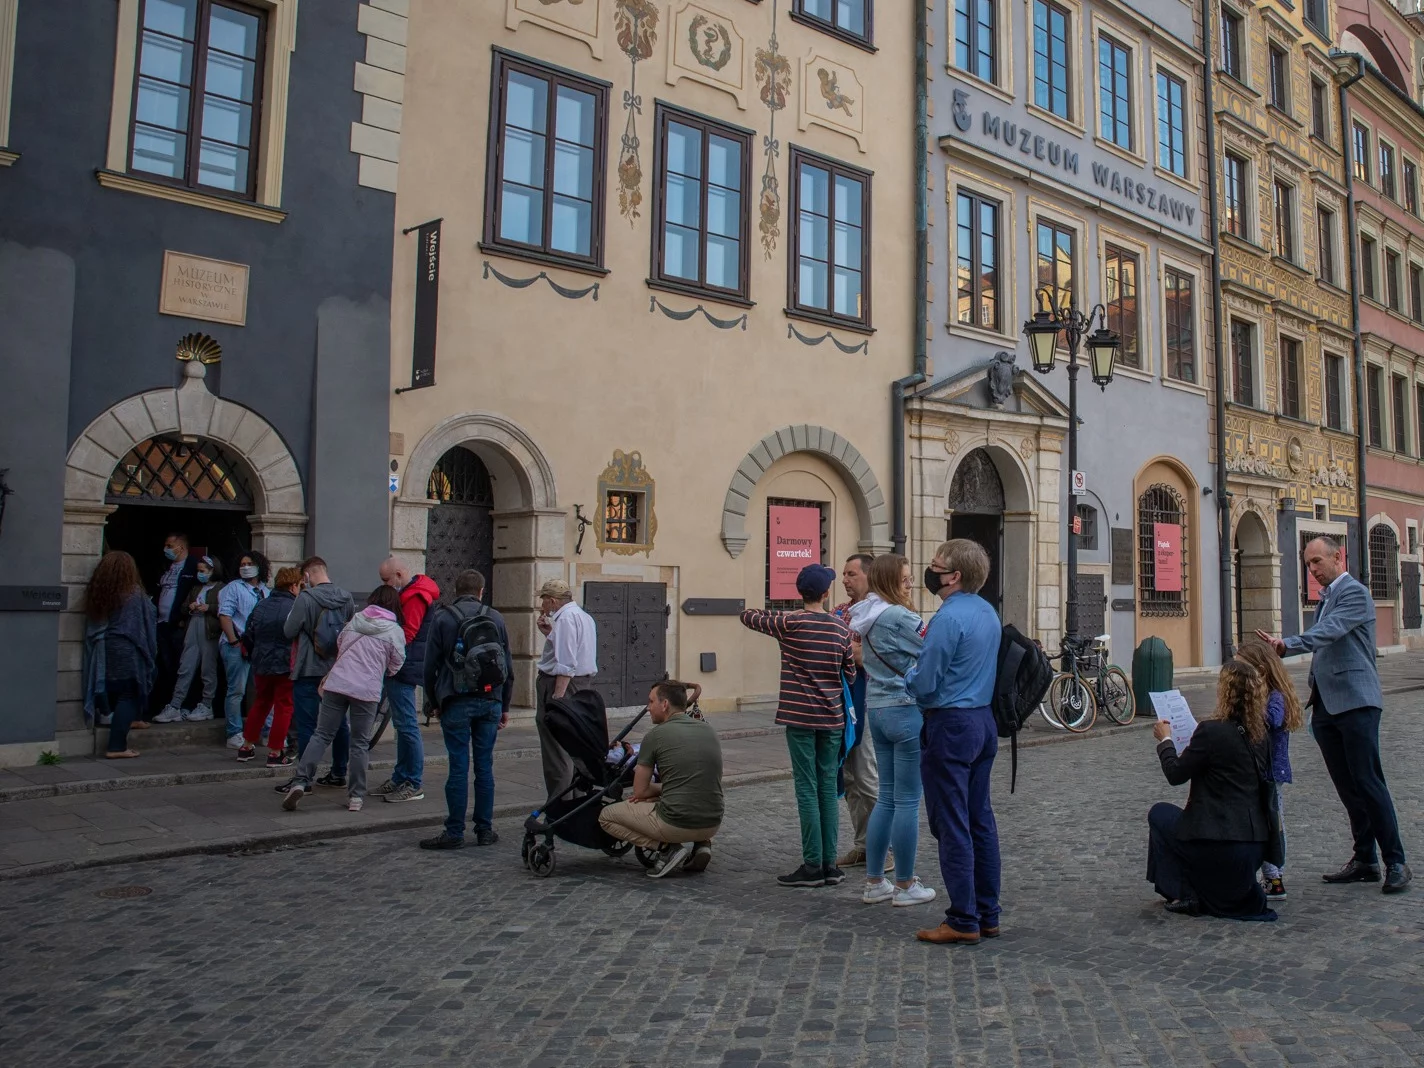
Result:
813,581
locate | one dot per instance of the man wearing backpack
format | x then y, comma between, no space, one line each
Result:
320,613
417,594
953,683
469,677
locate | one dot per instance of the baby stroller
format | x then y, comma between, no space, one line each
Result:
579,723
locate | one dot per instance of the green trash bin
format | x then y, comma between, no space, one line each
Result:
1151,673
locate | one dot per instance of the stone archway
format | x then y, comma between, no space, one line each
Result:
278,521
869,500
1258,576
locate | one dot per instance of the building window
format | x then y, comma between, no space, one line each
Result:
1232,52
1280,78
775,502
1367,267
1361,143
977,237
544,181
1290,377
1161,505
1419,420
832,241
1234,180
1411,187
622,517
1243,363
976,42
1399,409
167,471
701,239
1334,381
1181,325
1416,293
197,101
1412,536
1325,243
1120,295
1051,39
1171,123
1386,171
1374,384
1115,92
1316,14
844,18
1384,562
1391,279
1088,524
1319,109
1056,259
1285,221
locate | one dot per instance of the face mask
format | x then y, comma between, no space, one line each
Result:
248,572
172,554
933,580
204,576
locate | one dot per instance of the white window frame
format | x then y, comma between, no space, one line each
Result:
1188,180
1165,261
1076,82
1130,41
1009,318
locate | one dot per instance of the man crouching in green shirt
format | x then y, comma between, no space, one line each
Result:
679,814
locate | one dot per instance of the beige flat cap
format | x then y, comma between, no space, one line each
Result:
555,588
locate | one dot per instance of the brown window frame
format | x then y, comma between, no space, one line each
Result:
1290,377
1409,172
1179,356
1325,242
1374,396
1333,368
1051,8
1392,279
828,26
1388,162
1233,44
1368,285
977,272
1283,199
794,308
1319,109
1278,69
1416,292
1399,412
197,94
657,276
1238,220
1117,319
1419,418
1360,150
1238,375
505,62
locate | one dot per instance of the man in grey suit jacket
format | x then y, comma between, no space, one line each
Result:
1346,700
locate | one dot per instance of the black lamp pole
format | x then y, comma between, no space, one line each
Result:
1043,331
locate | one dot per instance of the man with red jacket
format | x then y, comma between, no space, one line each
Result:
417,594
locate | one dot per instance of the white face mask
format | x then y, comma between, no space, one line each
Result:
248,572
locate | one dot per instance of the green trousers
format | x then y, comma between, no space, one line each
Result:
815,756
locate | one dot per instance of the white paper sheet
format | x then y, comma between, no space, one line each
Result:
1171,707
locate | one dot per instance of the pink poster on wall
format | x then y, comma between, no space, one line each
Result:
1167,557
795,542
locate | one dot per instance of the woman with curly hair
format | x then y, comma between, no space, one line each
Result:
120,647
1203,859
1283,715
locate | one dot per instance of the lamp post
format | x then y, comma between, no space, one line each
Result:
1043,330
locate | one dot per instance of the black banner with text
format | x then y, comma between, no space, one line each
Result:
427,302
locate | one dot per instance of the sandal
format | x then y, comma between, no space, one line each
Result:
127,754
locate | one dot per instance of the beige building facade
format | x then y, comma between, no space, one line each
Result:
675,284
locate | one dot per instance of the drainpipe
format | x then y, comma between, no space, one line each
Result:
921,283
1218,325
1362,567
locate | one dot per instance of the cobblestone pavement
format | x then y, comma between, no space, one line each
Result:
369,952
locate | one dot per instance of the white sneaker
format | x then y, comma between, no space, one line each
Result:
198,712
671,859
353,804
171,714
875,893
914,894
235,742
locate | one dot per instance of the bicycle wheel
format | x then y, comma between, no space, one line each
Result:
1072,703
1045,709
1115,696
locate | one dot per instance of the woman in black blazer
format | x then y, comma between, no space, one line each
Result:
1203,859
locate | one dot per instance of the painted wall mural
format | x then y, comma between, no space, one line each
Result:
635,24
705,47
773,77
579,19
831,95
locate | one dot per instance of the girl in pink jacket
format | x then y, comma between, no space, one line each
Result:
371,648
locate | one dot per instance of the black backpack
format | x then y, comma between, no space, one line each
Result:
477,661
1024,674
326,631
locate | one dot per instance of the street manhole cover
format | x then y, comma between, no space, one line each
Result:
125,891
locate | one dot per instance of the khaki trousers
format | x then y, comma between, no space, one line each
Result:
862,786
638,822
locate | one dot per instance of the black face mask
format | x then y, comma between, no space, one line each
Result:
933,580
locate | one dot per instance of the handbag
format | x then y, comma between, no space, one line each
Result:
1270,799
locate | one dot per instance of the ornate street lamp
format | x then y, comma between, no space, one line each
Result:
1043,330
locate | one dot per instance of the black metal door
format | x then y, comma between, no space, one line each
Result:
987,530
1409,591
1092,606
459,537
632,638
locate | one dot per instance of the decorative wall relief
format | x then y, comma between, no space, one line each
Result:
543,276
683,316
578,19
832,96
625,522
706,47
807,339
635,23
773,76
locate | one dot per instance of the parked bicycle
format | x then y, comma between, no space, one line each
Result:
1087,684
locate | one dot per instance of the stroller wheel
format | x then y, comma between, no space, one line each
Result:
524,849
648,858
541,861
618,849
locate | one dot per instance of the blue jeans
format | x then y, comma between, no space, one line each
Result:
470,724
306,706
958,748
124,705
895,731
410,750
236,667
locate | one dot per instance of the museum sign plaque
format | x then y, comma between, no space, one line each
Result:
199,288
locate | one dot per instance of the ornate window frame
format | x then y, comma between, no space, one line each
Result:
626,474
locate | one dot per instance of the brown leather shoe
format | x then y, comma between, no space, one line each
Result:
988,932
854,858
945,935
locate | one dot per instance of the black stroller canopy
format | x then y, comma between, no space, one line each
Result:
579,724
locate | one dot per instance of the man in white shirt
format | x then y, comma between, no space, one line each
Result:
568,664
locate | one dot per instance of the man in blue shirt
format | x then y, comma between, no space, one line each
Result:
953,684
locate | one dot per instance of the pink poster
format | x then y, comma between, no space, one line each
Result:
795,542
1312,588
1167,556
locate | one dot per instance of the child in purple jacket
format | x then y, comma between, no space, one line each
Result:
1283,715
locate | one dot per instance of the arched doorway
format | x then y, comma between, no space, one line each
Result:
976,506
460,528
1258,571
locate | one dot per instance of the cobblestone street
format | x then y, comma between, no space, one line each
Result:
366,951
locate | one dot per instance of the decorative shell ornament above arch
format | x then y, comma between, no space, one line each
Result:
198,347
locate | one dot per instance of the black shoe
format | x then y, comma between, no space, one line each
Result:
283,787
834,876
701,857
443,840
331,780
1354,872
486,838
803,876
1184,907
1397,879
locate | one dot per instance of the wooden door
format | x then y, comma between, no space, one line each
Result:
632,638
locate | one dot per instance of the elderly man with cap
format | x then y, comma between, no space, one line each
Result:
568,664
815,656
